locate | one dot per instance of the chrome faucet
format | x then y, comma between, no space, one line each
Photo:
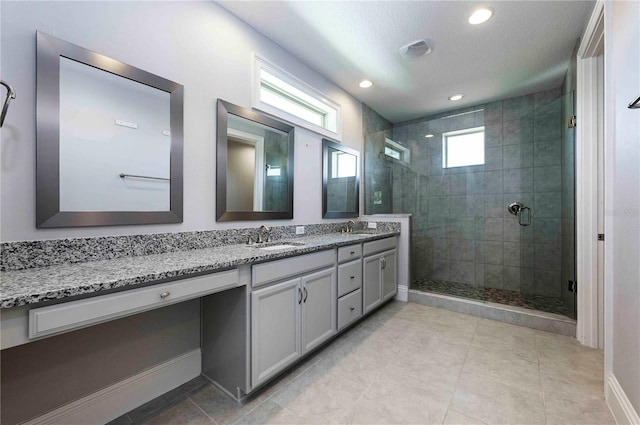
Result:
350,225
261,232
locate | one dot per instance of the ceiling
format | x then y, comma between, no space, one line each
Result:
524,48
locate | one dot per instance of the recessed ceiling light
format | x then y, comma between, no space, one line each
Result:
428,135
480,16
456,97
365,84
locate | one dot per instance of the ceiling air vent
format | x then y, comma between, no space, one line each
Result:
415,49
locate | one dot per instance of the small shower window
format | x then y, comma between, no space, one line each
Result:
462,148
397,151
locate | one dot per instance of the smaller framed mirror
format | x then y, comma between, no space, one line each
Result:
254,172
340,180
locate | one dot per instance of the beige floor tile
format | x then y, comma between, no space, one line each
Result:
505,368
414,364
495,403
506,338
402,400
271,413
321,396
576,408
220,407
457,418
184,413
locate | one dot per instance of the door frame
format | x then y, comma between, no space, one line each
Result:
589,141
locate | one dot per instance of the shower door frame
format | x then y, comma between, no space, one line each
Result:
589,182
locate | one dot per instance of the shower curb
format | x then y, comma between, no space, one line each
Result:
548,322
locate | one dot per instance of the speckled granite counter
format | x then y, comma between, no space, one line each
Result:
30,286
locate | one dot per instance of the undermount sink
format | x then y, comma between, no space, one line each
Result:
272,246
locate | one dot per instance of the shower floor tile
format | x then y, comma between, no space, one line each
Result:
495,295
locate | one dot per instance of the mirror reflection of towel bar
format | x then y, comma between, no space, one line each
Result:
123,175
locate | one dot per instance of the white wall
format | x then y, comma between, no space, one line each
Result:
197,44
622,204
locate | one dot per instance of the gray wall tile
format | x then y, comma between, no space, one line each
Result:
518,180
517,107
547,153
517,131
493,276
493,253
547,179
511,254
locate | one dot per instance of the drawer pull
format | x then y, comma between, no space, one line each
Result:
352,308
353,252
353,277
165,294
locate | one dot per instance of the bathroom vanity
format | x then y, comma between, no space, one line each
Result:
262,307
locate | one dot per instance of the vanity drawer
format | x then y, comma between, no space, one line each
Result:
349,277
380,245
348,253
77,314
349,308
264,273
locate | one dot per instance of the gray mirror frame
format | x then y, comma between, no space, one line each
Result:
326,144
48,214
224,109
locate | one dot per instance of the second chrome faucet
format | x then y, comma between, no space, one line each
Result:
262,231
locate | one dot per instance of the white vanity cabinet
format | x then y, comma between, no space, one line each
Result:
293,310
379,272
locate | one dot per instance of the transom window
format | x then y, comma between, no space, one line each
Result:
462,148
282,95
397,151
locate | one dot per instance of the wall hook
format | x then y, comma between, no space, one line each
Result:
10,95
635,104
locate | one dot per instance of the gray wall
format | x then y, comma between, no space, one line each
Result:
197,44
462,231
42,375
208,50
622,191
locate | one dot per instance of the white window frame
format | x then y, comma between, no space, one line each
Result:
445,150
260,64
405,153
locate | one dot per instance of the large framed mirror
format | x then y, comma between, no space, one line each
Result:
340,180
254,171
109,140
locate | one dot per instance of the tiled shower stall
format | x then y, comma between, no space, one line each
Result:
464,240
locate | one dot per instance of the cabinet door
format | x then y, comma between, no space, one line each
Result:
372,287
275,331
389,275
318,308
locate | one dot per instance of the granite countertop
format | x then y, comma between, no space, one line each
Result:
30,286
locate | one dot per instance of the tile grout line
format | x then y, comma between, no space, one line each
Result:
202,410
455,389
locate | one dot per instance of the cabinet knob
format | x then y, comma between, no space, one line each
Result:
353,252
352,308
383,261
165,294
353,277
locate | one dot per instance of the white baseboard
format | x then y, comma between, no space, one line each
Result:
623,411
119,398
403,293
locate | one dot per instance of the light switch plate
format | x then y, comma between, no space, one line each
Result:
299,230
372,225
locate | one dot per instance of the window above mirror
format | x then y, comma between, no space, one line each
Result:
282,95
